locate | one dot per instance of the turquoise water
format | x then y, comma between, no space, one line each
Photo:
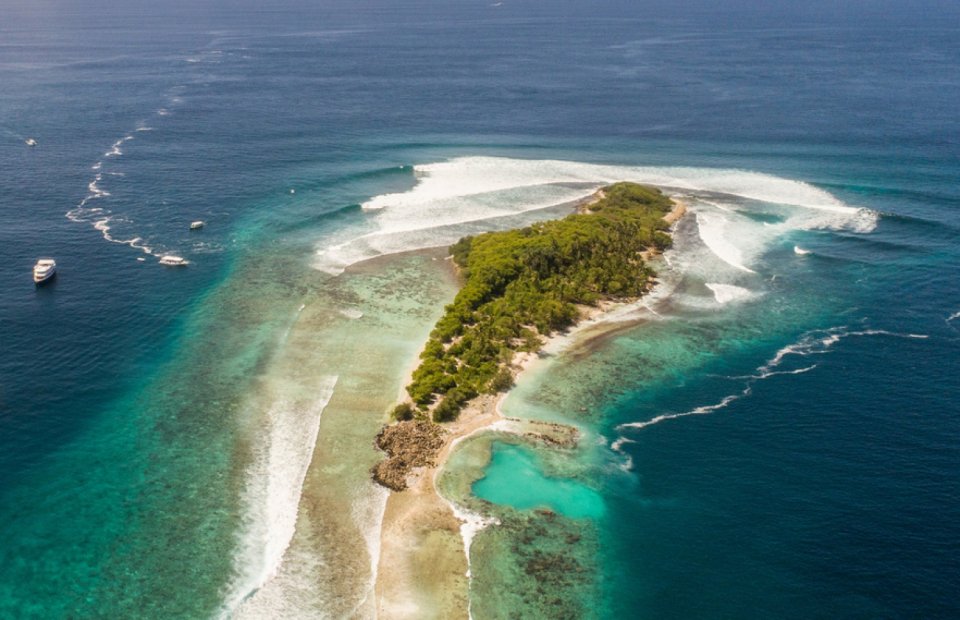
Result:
776,438
515,478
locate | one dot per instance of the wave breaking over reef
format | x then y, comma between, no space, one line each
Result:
469,195
275,477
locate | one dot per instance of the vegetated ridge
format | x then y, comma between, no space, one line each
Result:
523,285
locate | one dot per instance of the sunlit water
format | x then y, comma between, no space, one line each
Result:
775,436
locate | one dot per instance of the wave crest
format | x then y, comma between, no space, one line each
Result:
468,195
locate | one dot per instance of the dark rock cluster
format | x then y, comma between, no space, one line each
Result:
409,444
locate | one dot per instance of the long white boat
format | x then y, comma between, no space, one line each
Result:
45,269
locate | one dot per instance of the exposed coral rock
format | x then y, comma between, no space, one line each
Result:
410,444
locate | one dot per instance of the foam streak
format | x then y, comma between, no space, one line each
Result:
816,342
274,486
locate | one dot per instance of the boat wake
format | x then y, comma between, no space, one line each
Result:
92,210
812,343
469,195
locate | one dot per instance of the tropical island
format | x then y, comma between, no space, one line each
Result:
519,288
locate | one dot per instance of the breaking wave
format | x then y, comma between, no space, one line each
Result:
272,495
473,194
726,293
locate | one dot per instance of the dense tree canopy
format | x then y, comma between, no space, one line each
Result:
522,285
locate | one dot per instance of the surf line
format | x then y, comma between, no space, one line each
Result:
815,342
272,494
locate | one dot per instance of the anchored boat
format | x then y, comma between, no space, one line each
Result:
45,269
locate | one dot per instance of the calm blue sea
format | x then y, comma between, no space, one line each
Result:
829,492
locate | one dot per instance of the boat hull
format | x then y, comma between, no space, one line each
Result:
43,279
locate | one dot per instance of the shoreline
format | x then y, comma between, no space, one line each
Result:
424,564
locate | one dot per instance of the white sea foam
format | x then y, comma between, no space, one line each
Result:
726,293
816,342
94,188
472,194
115,150
368,509
702,410
617,446
472,523
713,233
104,226
282,454
101,219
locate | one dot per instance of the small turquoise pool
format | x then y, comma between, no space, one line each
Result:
515,478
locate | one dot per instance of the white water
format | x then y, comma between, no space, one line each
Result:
102,219
726,293
816,342
468,195
713,233
275,478
471,523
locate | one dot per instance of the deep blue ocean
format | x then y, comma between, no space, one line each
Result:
829,492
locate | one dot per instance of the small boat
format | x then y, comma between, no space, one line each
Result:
173,261
45,269
197,225
30,142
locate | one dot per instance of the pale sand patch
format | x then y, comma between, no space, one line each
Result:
423,570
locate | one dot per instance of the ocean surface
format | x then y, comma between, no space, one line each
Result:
776,434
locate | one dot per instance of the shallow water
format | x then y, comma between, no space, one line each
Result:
515,478
784,447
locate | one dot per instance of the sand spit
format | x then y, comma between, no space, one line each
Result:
424,546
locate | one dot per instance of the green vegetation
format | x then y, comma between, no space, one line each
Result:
522,285
402,412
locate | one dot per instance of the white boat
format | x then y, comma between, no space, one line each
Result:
30,142
45,269
173,261
197,225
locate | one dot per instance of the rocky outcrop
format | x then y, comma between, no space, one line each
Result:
410,444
